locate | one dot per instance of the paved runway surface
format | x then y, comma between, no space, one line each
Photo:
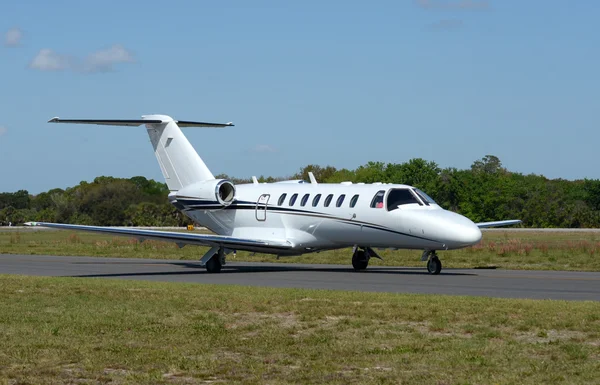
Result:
494,283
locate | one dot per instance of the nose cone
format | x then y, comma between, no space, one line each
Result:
467,235
449,228
461,231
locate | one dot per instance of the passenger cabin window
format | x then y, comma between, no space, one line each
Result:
293,199
340,200
281,199
377,202
353,200
399,197
304,200
328,200
316,200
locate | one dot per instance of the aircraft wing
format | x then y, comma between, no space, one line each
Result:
181,238
509,222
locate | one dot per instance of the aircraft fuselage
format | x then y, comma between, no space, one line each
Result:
316,217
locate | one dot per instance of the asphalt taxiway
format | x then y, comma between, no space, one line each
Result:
567,285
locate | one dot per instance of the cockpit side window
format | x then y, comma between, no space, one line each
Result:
377,202
399,197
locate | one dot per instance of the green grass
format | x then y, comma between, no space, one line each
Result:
69,330
504,249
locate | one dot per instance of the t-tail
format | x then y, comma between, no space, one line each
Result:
180,164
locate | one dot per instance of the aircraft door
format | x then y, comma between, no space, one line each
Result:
261,207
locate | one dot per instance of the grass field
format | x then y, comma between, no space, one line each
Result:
501,249
69,330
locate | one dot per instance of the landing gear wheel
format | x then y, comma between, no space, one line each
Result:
360,261
434,265
214,264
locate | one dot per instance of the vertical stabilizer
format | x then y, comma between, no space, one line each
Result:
179,162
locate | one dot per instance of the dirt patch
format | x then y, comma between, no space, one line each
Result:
544,337
178,378
241,320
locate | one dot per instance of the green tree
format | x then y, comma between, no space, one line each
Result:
321,173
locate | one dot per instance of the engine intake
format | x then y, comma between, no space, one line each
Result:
209,193
225,192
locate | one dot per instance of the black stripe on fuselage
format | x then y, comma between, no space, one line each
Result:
287,210
376,227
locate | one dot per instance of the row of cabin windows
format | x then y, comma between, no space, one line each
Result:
396,198
316,199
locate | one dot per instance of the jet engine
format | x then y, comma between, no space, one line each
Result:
209,192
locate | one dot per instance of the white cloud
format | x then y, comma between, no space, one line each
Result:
48,60
13,37
454,4
99,61
104,60
2,130
263,148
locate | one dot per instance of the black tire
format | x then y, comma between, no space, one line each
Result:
360,260
214,264
434,265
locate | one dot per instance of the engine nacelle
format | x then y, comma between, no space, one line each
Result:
216,191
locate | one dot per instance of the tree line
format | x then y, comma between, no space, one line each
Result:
486,191
106,201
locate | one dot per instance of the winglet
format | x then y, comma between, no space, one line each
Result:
312,178
254,180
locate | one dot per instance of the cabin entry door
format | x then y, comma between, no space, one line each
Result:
261,207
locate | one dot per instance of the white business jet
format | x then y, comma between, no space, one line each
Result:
291,217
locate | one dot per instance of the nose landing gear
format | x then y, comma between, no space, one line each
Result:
434,265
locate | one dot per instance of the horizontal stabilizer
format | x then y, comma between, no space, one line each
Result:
107,122
138,122
180,238
185,123
509,222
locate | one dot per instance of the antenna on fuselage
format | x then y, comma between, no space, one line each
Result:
312,178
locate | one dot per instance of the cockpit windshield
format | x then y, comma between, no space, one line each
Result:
424,196
399,197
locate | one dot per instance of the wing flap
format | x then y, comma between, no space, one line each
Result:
179,238
509,222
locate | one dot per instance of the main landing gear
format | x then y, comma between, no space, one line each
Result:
360,260
361,257
434,265
214,260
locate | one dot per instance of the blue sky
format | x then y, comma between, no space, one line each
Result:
332,83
